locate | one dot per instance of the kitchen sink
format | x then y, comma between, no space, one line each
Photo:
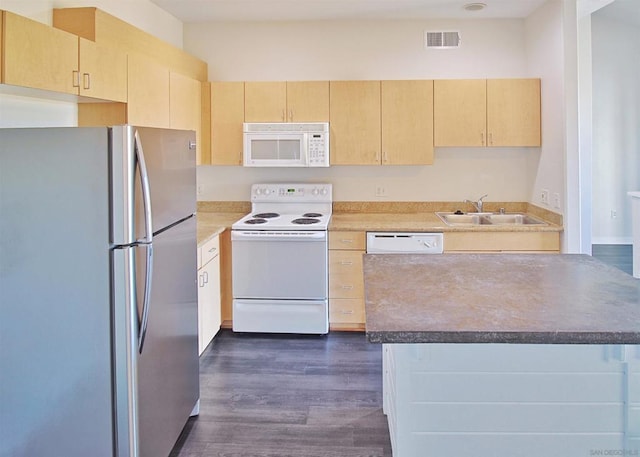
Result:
514,219
464,219
456,219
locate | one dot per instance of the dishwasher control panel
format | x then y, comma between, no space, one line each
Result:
404,243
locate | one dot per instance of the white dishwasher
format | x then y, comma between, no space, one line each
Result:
404,243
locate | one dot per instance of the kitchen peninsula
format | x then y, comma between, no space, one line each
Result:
506,354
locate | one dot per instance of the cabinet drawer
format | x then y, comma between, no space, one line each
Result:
346,310
347,240
209,250
345,262
345,274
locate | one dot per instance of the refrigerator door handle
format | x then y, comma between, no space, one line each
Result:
146,194
144,318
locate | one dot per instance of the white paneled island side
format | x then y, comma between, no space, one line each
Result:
503,354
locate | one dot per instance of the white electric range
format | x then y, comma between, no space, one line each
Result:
280,260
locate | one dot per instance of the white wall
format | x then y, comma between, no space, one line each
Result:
17,110
391,49
545,60
616,121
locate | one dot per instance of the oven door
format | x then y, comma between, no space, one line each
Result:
286,265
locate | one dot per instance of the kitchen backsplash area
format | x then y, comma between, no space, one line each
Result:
506,174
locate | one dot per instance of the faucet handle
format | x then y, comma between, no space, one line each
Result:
484,196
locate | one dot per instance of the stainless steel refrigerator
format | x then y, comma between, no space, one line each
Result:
98,291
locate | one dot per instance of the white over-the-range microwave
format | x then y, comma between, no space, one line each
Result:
286,144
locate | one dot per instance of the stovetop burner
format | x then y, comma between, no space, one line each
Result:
255,221
266,215
314,215
305,221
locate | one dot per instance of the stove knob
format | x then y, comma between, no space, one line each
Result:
324,191
258,191
315,191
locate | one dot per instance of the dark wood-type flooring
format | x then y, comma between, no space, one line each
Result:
616,255
275,395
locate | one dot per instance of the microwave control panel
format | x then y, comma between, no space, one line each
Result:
318,147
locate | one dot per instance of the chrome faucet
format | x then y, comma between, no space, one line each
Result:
478,204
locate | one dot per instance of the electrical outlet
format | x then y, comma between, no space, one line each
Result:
556,200
614,214
199,190
380,191
544,196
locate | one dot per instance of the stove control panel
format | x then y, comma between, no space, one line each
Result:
296,192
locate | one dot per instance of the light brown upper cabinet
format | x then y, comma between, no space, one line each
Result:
407,122
184,102
42,57
106,30
148,93
292,101
227,115
38,56
496,112
103,72
513,112
355,123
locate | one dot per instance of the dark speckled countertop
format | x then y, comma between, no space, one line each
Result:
499,298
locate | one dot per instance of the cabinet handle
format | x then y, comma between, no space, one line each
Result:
76,78
482,138
347,311
346,262
346,241
86,78
206,277
347,287
491,139
201,281
385,159
284,116
291,115
212,249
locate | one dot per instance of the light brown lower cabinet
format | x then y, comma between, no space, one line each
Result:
518,242
346,280
208,292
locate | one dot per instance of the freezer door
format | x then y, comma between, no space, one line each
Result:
55,341
168,367
168,159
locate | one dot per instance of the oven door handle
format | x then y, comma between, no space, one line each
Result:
268,235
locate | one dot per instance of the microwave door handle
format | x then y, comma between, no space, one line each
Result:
146,194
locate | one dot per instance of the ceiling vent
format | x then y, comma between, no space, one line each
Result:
441,40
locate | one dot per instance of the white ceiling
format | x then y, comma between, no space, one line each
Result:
300,10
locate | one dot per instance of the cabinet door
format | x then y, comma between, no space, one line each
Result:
265,101
103,72
208,303
460,112
184,102
227,116
355,122
513,112
407,122
39,56
147,93
308,101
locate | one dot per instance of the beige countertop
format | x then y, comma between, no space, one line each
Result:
499,298
214,217
421,222
211,224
